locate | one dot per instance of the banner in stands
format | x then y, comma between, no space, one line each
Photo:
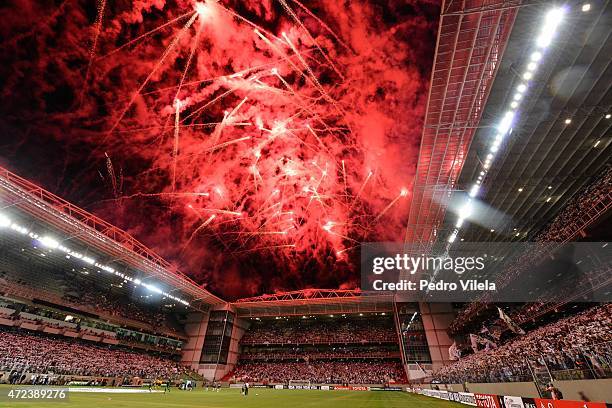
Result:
548,403
512,402
502,401
466,398
386,389
487,400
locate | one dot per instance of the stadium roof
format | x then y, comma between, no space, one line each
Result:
560,140
86,232
471,40
313,301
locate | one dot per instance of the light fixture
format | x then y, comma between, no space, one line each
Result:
548,199
4,221
520,189
474,190
506,122
608,115
466,210
586,7
49,242
568,121
536,56
492,230
527,75
521,88
597,143
514,104
552,21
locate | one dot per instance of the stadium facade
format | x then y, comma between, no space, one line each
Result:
57,258
52,248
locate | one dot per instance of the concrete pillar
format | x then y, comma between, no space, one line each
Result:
437,317
195,327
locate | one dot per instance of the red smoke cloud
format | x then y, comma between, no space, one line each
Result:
255,143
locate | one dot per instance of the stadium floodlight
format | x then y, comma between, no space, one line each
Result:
552,21
153,288
4,221
517,96
532,66
89,260
514,104
527,75
49,242
474,190
536,56
466,210
506,122
521,88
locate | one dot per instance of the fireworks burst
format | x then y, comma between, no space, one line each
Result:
279,129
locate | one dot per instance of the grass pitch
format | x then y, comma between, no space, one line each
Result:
230,398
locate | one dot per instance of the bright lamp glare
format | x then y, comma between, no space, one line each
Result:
506,123
474,190
521,88
553,19
452,238
49,242
536,56
4,221
466,211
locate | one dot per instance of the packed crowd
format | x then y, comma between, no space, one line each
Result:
23,351
322,372
560,229
318,353
580,343
311,331
565,223
81,294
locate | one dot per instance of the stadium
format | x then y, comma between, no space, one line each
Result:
233,203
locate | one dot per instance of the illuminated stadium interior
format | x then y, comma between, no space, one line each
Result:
191,195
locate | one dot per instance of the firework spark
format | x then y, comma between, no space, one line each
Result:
242,127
